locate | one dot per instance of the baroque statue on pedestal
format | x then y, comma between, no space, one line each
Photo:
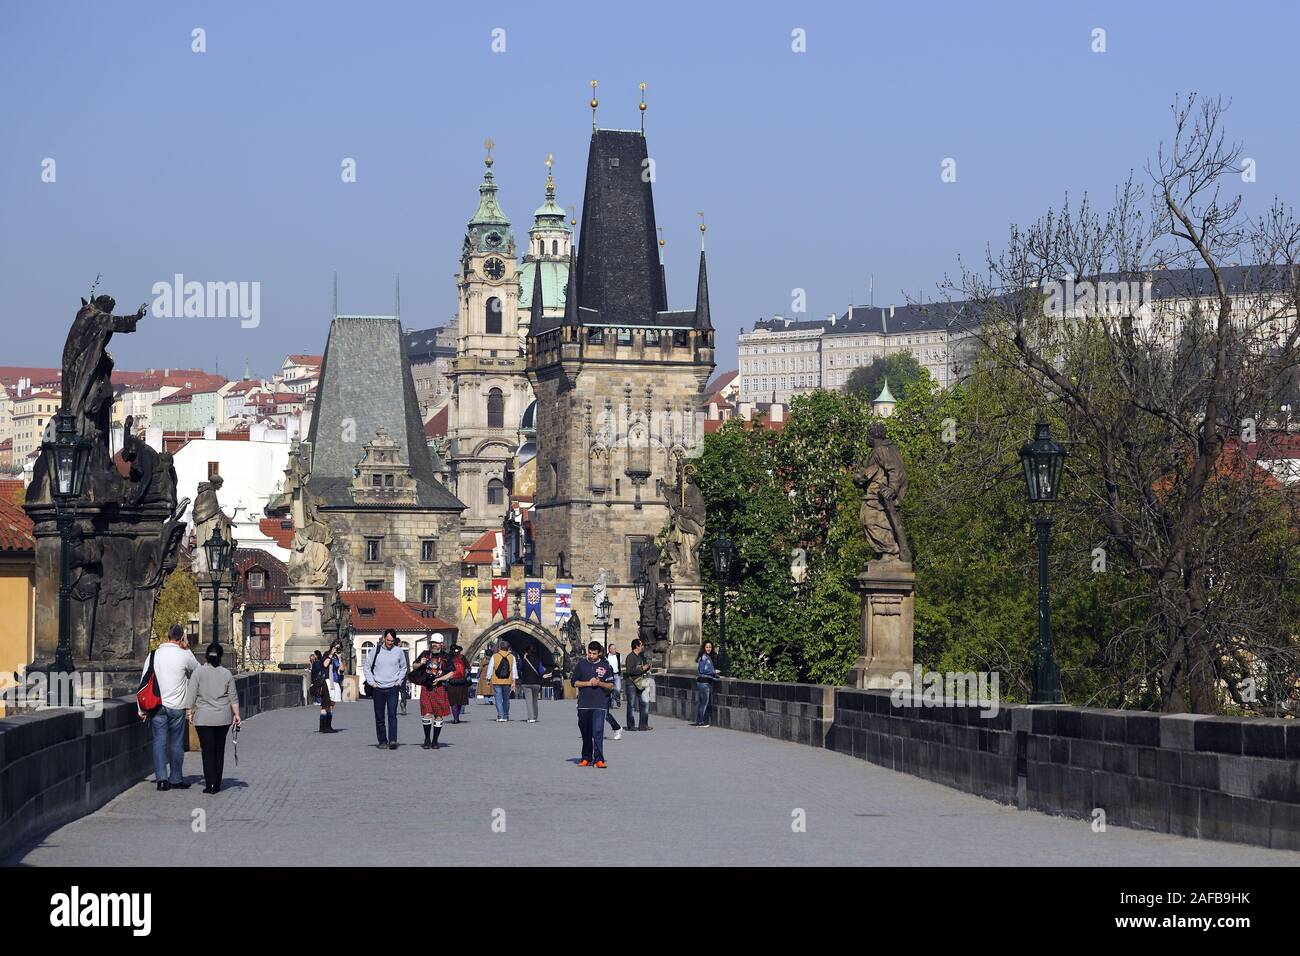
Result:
882,479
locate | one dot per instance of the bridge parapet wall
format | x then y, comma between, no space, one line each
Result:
1221,778
58,765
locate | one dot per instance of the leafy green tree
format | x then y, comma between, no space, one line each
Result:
178,601
900,368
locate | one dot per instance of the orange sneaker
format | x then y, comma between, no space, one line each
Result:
584,763
600,764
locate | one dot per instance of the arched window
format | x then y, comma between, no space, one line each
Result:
496,492
496,408
555,247
493,316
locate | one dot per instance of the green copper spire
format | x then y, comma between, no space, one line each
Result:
885,396
549,215
489,212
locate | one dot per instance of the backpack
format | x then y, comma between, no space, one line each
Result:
503,666
148,697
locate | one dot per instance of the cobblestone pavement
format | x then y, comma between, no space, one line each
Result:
512,794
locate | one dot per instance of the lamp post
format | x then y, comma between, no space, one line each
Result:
67,458
339,607
218,550
1042,459
606,608
723,552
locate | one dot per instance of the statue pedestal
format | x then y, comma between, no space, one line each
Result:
308,603
687,628
888,601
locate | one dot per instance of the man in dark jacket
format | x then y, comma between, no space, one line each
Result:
594,679
636,672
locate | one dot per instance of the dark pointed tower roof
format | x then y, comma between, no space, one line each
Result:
535,312
702,318
570,295
618,262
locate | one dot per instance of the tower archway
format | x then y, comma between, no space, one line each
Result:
519,633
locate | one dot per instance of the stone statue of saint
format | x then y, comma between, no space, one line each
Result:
152,474
207,517
598,597
882,479
686,511
310,563
572,631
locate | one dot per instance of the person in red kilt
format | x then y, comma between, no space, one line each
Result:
432,671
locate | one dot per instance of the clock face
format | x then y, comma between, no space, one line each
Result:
494,269
492,240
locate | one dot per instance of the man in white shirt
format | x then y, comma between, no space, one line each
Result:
173,663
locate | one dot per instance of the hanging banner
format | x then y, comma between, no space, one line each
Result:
533,600
563,603
500,589
469,599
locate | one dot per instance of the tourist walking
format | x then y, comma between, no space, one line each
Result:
591,678
433,669
335,679
616,661
214,704
483,690
503,676
636,677
385,673
706,675
458,686
172,663
532,674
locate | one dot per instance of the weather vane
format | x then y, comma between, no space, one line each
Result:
642,108
594,103
488,144
703,229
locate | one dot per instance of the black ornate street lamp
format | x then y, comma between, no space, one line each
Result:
606,609
1042,459
723,554
67,460
218,550
340,607
642,584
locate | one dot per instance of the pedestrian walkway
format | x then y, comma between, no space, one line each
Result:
512,794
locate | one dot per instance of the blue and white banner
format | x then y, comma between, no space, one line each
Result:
533,600
563,604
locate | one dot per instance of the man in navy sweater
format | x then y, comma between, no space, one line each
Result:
594,679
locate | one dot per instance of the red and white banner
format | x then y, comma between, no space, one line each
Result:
500,591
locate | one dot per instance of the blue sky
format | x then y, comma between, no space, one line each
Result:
815,169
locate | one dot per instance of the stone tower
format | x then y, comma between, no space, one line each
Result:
619,380
489,383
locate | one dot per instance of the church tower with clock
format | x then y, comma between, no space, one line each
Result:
489,380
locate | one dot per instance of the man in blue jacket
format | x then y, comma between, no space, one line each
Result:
385,673
594,679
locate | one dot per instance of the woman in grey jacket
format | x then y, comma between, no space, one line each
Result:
214,704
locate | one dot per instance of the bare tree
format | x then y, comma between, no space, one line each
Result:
1160,342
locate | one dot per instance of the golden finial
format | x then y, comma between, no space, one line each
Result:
488,144
573,215
550,183
594,103
661,237
642,108
703,229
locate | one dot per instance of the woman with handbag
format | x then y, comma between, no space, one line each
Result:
214,707
320,690
706,676
458,686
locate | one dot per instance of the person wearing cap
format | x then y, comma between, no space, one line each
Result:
214,706
458,686
433,668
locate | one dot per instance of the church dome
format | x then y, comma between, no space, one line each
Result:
528,422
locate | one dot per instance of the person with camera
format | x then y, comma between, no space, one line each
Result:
636,681
385,674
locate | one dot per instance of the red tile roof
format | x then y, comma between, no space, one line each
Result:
11,489
436,427
275,528
721,382
15,528
375,611
480,552
7,443
306,359
10,374
712,425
